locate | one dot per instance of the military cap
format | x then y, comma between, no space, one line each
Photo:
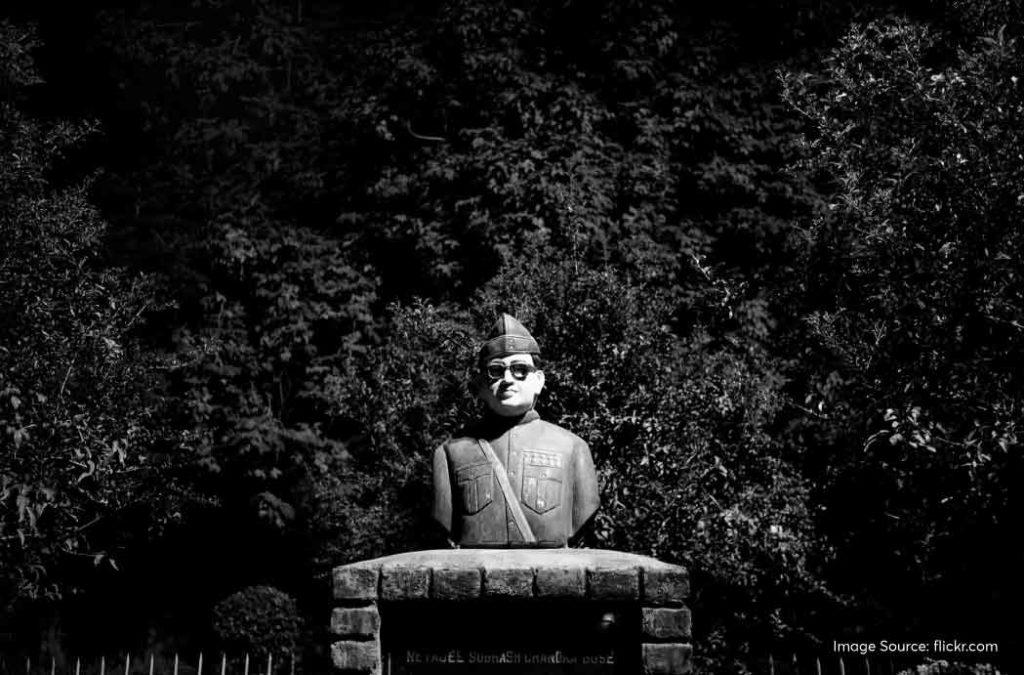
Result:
507,337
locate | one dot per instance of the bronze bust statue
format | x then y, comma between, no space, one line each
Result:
513,480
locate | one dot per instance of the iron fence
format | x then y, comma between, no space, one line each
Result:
152,663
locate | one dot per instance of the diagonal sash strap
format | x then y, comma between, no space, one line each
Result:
510,496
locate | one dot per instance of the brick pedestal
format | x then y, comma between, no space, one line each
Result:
512,576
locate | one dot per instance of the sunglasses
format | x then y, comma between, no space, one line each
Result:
496,371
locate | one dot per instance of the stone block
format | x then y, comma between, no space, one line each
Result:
666,586
456,584
405,583
350,656
667,659
355,583
508,582
613,583
561,582
663,623
355,621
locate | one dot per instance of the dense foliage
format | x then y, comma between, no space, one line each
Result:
914,328
82,415
770,251
257,620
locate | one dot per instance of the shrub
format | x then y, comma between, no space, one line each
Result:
257,620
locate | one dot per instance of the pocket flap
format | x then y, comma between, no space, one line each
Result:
467,473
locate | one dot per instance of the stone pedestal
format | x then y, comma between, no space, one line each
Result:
511,611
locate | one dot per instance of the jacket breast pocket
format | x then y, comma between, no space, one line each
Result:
542,488
476,487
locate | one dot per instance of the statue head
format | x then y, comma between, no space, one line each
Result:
509,378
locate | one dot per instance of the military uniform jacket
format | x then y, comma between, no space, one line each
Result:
551,472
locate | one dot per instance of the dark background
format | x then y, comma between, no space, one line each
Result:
771,251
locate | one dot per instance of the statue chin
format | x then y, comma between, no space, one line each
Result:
509,410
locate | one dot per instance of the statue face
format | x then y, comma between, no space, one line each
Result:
508,395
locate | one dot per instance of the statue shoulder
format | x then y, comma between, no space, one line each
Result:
563,435
459,447
459,441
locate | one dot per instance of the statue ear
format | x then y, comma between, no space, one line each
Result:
540,380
